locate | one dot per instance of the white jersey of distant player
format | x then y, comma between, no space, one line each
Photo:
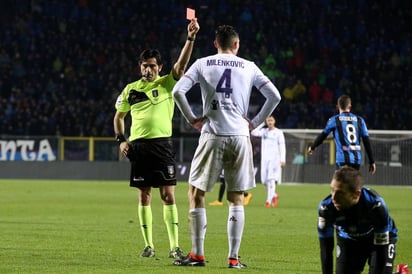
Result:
273,152
226,82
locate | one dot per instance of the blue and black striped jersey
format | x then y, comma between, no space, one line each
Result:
348,130
369,219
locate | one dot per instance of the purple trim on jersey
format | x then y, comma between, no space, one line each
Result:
190,78
264,84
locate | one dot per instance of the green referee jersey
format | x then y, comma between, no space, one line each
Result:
151,106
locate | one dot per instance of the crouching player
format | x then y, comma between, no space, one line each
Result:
364,229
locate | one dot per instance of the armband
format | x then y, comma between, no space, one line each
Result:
191,38
120,138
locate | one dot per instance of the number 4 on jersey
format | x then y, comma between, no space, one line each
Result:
224,85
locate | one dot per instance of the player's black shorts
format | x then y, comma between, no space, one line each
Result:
153,162
353,255
355,166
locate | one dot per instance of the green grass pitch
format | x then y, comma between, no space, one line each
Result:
91,227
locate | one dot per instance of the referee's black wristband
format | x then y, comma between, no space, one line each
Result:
191,38
120,138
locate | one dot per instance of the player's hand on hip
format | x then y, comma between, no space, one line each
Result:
198,123
251,127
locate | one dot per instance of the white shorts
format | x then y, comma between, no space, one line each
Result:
214,153
270,170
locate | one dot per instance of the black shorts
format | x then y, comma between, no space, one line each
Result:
353,255
355,166
153,162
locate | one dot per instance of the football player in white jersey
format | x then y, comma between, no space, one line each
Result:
272,159
226,83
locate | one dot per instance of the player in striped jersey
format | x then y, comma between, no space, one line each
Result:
226,83
349,130
360,219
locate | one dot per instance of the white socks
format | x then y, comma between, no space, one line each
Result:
235,225
198,224
271,190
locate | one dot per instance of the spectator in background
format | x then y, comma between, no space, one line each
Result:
81,34
299,91
314,92
288,92
327,96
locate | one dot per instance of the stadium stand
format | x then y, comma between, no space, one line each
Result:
62,63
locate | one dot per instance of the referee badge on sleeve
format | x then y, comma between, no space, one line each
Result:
171,171
119,100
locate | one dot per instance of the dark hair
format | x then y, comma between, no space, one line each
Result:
344,101
270,116
150,53
350,177
225,35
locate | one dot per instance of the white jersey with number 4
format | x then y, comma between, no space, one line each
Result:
226,82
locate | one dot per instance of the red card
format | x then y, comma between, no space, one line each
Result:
190,13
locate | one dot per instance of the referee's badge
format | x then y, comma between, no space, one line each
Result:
171,171
119,100
155,93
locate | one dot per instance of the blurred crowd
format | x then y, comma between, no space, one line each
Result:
64,62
